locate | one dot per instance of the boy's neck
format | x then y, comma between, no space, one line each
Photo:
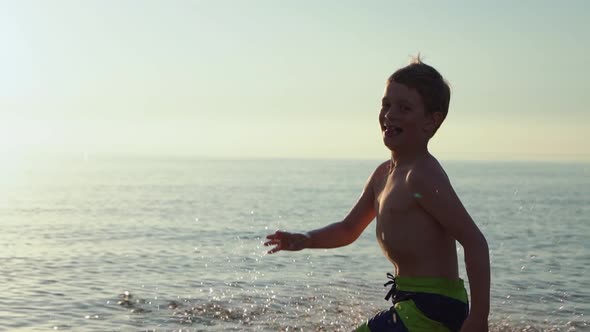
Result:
401,158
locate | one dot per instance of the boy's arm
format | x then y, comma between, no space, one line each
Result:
337,234
345,232
434,193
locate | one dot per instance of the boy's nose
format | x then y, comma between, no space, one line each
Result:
390,114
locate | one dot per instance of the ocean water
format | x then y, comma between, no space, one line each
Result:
139,244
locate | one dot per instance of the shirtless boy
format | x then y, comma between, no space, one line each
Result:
419,218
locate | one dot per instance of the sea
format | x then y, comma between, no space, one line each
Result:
98,243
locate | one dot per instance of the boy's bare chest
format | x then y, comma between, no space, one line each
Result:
394,198
402,225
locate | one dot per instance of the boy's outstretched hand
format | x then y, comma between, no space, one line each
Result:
287,241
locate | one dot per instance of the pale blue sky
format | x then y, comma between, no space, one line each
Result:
248,79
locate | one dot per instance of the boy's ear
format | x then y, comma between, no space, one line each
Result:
439,117
436,119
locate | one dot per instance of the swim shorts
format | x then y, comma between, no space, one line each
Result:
421,304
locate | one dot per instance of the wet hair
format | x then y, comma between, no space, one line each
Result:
428,82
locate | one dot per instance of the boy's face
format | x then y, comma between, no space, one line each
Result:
403,118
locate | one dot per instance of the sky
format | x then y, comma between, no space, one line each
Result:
289,79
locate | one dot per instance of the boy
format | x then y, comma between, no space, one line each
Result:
419,217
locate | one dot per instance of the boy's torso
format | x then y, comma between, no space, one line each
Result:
409,237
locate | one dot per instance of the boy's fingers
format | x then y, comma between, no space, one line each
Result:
276,239
271,242
275,249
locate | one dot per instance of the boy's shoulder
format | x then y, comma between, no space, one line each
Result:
382,170
427,173
379,174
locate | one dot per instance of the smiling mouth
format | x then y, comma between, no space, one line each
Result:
391,131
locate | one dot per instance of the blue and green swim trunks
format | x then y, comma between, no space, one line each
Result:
421,304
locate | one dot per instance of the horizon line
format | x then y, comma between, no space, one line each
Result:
560,158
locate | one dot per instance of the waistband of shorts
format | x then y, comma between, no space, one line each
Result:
453,288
